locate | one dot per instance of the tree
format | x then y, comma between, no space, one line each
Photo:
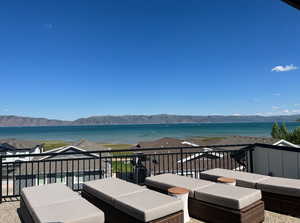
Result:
276,131
295,136
281,132
284,132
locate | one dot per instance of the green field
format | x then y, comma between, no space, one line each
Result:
121,166
119,147
52,144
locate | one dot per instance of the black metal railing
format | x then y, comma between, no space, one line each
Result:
75,168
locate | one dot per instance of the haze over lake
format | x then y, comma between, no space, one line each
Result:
135,133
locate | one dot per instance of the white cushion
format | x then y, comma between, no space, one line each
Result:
75,211
166,181
110,189
148,205
46,194
278,185
243,179
58,203
228,196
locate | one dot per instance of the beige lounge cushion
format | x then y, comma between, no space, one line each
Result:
166,181
148,205
243,179
47,194
58,203
278,185
228,196
75,211
110,189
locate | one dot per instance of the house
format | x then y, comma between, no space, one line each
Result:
192,161
85,164
58,165
232,140
212,154
17,147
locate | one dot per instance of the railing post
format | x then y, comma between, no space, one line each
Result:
181,160
100,165
1,179
251,160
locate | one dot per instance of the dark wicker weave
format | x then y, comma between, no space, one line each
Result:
24,214
113,215
214,213
282,203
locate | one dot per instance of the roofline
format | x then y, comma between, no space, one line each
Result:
14,148
286,142
64,148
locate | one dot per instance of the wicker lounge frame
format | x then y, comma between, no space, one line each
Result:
282,204
215,213
279,203
114,215
24,213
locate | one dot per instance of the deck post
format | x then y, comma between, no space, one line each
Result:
1,179
251,160
181,160
100,165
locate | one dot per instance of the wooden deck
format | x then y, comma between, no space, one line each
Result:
8,214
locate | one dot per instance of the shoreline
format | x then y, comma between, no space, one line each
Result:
147,124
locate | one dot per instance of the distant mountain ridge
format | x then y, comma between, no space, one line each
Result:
18,121
12,120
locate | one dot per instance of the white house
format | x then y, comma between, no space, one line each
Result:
17,147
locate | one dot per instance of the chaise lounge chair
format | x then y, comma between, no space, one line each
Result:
243,179
56,203
125,202
213,202
280,195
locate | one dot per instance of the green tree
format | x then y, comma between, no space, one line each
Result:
295,136
284,132
276,131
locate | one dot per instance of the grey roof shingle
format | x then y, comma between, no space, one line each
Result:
18,144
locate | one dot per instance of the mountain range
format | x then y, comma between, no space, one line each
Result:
11,120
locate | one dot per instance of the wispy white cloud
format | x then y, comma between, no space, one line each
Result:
236,114
284,68
277,110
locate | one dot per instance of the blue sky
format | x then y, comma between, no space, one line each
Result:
71,59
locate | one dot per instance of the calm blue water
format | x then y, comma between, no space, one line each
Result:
135,133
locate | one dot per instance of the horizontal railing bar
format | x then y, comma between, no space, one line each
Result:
122,156
125,150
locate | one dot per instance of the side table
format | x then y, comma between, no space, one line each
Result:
226,180
183,194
